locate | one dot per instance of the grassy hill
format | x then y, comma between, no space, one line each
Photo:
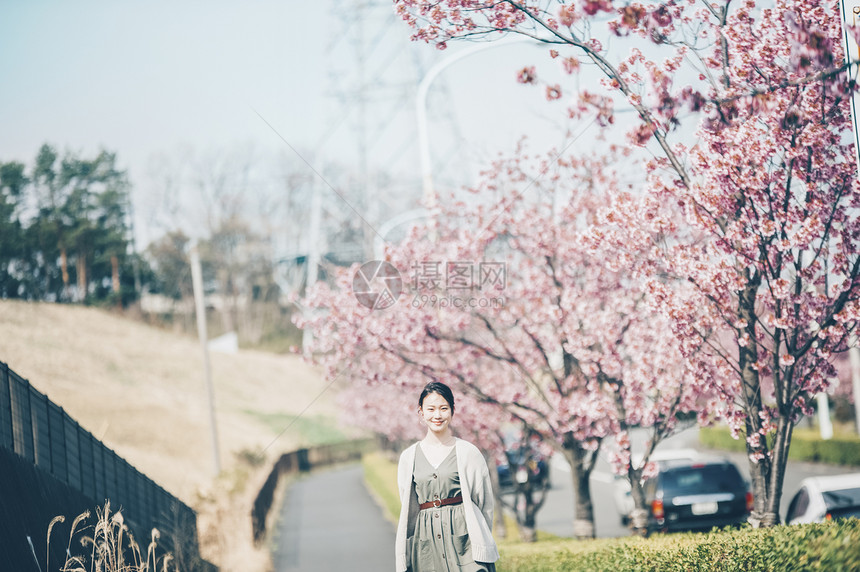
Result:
141,390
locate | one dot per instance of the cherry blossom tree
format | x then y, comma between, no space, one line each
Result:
744,106
574,351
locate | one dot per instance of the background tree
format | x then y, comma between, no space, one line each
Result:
12,240
169,258
49,225
65,220
223,197
94,216
242,265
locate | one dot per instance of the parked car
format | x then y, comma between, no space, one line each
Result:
825,498
623,499
696,494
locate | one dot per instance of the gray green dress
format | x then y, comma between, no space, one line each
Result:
441,542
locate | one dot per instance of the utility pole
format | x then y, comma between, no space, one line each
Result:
314,247
850,12
200,310
825,426
854,358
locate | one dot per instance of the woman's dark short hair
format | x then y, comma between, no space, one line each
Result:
441,389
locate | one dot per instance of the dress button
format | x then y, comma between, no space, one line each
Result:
443,555
437,515
434,475
438,536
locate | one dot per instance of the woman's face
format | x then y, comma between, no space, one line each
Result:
436,412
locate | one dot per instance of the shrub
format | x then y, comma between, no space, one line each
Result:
839,451
803,448
809,547
806,445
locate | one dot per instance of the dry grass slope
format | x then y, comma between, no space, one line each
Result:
141,390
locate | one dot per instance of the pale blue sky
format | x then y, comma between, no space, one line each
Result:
140,76
144,79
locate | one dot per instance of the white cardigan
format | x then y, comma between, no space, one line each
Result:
477,493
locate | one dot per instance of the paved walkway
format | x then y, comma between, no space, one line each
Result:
330,523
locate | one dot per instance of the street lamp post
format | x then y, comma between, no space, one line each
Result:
200,310
421,114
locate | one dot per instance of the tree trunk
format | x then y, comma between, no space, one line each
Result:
114,267
639,516
528,533
83,279
762,514
779,458
227,322
581,462
64,269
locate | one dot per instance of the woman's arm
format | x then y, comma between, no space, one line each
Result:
482,487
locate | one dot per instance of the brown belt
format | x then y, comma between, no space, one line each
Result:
444,502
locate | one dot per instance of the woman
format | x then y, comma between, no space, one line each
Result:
446,496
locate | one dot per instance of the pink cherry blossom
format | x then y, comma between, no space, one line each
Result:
570,65
575,353
553,92
527,75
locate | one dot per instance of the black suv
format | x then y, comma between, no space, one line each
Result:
696,495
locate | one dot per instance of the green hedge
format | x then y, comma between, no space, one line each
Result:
828,546
806,445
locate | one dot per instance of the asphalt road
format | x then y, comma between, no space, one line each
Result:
556,516
329,522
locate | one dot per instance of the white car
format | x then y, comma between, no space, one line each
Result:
825,498
623,499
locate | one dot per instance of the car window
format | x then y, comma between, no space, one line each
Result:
798,505
702,479
842,498
845,512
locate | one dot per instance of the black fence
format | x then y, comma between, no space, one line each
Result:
70,459
300,461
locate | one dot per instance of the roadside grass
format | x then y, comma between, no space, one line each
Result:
806,444
308,430
830,546
380,476
107,545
